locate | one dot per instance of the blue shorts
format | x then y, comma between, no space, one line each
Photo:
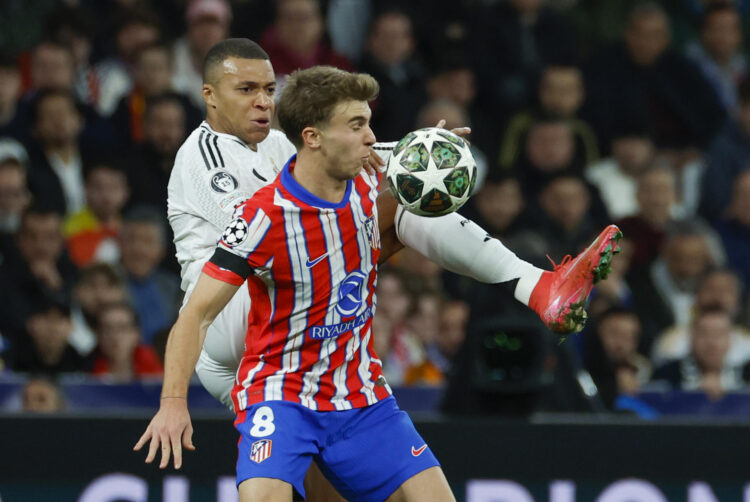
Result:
366,453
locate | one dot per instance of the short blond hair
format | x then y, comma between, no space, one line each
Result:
310,96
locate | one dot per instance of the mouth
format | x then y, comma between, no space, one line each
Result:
262,123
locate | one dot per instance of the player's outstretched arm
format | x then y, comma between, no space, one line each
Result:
170,430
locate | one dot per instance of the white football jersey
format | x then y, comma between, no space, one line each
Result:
213,172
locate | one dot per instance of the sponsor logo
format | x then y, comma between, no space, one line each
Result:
223,182
333,330
351,293
418,451
236,233
311,264
260,450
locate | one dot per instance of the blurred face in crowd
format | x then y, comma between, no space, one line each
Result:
391,40
382,333
97,289
52,67
434,112
299,25
153,71
41,396
656,195
453,319
393,299
739,207
499,204
722,34
550,146
58,122
14,196
118,333
526,6
454,85
647,37
164,126
719,289
687,258
619,335
49,331
425,320
40,237
711,340
80,45
142,247
106,192
633,153
561,90
10,86
204,32
239,95
134,37
565,201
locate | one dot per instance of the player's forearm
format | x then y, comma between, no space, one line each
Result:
183,348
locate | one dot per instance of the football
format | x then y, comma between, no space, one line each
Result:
431,172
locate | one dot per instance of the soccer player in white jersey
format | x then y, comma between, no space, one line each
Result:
234,153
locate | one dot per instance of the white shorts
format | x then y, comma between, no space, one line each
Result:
223,348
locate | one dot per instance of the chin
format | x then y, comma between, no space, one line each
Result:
255,137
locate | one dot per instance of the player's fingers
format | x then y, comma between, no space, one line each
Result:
376,158
176,449
441,124
461,131
166,452
187,438
145,437
152,449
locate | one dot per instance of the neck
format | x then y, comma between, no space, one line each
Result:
64,152
121,369
109,220
309,172
52,356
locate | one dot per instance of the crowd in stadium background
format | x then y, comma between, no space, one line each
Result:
582,113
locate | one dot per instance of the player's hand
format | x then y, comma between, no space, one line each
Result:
374,163
463,132
170,430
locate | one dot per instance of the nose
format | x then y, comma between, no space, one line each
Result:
263,101
369,137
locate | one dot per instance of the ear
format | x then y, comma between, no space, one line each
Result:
208,95
311,137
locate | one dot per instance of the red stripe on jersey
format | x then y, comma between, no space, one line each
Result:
222,274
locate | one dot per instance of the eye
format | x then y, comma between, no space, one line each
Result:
271,90
243,90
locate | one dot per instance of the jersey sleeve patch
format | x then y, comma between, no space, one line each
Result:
227,267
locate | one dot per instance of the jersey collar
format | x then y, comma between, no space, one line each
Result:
298,191
230,137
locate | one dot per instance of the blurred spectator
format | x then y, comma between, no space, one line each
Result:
719,52
98,284
517,39
207,24
151,78
38,268
616,177
41,395
156,293
455,116
14,198
719,289
52,67
164,129
454,317
57,158
14,120
423,323
92,232
47,349
735,228
121,355
136,28
390,58
612,358
706,368
664,293
395,303
560,95
655,195
295,40
727,158
347,22
644,75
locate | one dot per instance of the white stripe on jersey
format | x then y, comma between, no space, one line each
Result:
363,370
303,297
337,268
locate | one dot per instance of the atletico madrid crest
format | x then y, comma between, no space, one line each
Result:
373,233
260,450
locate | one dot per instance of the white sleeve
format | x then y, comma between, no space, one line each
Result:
384,149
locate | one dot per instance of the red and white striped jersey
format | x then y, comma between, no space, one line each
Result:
311,268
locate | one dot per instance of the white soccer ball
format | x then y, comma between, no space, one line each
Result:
431,172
